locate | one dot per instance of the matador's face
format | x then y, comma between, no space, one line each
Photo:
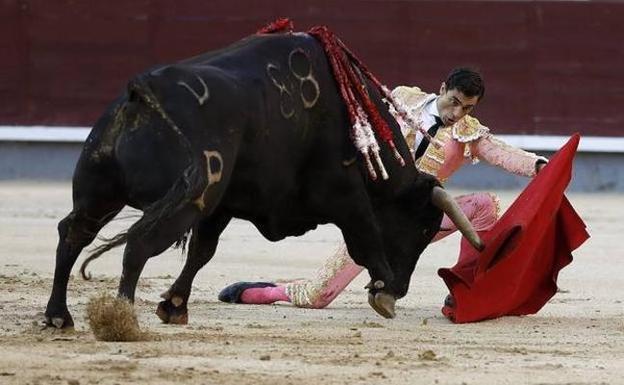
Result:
453,105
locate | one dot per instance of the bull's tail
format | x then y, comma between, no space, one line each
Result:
111,243
187,188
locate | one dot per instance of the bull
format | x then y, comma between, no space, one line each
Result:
256,131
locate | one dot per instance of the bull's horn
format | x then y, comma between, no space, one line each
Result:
442,200
383,303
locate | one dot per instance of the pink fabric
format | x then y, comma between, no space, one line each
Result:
480,208
337,284
264,295
453,159
498,153
490,149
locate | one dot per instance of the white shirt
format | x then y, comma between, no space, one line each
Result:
430,112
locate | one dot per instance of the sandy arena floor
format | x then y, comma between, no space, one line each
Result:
578,338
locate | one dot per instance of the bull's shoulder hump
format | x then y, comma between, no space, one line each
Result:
270,44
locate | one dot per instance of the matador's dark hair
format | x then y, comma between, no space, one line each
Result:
466,80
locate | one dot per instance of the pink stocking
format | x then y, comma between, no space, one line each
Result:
264,295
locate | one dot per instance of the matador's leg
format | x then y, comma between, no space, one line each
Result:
482,210
339,270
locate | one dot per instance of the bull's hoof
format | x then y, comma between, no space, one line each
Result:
383,304
170,314
60,320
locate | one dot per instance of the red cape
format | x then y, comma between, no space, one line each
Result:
516,273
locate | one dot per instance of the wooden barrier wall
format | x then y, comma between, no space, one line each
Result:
551,67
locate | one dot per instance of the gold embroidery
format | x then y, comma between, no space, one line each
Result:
468,129
306,293
496,202
409,96
412,100
433,158
410,138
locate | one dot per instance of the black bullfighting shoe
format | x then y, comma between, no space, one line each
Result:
232,293
449,301
449,307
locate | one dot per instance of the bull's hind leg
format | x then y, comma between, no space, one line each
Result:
141,247
76,231
202,247
97,197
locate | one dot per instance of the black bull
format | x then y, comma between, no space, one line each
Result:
256,131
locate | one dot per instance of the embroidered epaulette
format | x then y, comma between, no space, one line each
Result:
468,129
409,96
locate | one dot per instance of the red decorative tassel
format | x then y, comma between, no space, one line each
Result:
347,69
323,34
278,26
345,76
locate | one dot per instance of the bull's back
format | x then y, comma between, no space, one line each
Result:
269,103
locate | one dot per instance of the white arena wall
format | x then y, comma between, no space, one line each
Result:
50,153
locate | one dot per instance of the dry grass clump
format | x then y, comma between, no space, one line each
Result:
113,319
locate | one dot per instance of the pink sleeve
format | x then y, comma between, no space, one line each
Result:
498,153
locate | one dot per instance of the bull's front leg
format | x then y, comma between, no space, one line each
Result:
363,238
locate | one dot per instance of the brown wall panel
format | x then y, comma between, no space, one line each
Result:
579,67
552,67
89,23
13,48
